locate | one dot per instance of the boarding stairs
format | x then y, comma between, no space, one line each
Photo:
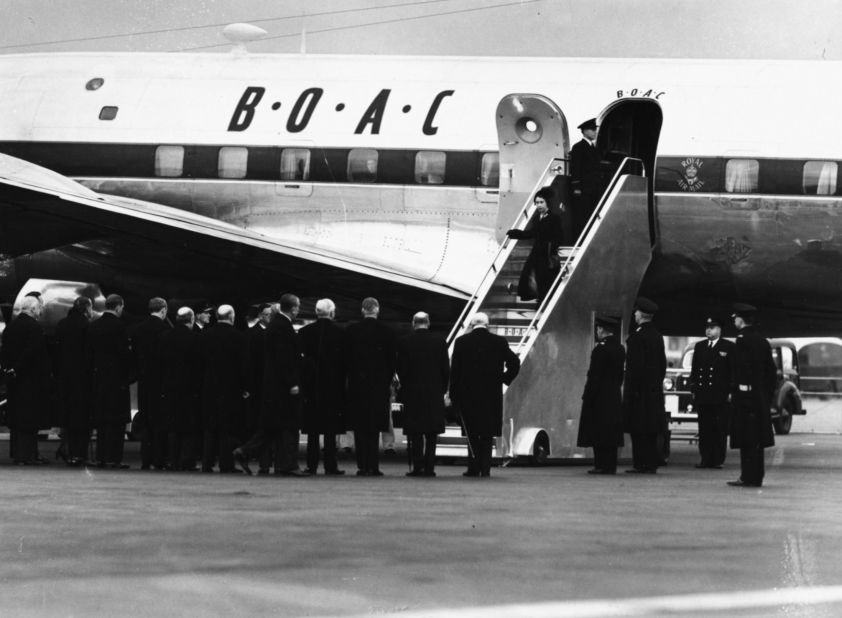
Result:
599,274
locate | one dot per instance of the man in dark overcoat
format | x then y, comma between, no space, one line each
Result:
644,416
257,343
180,413
585,180
280,408
25,360
74,380
323,386
109,357
755,377
601,422
225,388
482,363
144,341
423,372
371,357
543,261
712,382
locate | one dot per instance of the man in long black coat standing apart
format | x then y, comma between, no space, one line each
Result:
643,389
225,388
601,422
144,341
424,372
584,176
712,382
482,363
110,360
257,344
371,359
754,386
74,380
324,386
26,362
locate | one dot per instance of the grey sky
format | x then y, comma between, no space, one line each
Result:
623,28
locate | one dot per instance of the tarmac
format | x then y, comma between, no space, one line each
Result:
547,541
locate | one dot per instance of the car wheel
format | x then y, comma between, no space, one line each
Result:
783,424
540,450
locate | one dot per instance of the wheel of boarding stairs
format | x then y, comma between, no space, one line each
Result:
540,450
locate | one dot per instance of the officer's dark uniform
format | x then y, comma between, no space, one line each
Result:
643,391
584,179
754,387
711,382
601,422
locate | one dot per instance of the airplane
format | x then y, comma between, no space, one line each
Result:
239,176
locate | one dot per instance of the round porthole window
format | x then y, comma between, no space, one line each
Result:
528,130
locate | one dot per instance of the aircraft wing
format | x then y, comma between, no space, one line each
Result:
41,210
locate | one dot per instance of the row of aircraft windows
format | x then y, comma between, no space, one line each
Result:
817,177
232,163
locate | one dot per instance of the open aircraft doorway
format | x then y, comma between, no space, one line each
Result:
631,128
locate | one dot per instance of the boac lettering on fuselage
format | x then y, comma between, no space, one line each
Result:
305,105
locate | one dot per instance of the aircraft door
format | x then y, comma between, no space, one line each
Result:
631,128
531,130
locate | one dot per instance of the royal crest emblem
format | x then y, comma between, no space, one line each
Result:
690,181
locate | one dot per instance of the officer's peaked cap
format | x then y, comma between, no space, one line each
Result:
588,124
743,309
645,305
713,321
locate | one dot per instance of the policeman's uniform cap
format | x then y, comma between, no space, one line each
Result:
204,309
589,124
606,321
743,309
713,322
645,305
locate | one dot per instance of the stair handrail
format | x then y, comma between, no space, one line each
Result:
506,247
532,329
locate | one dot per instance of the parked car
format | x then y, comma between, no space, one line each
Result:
786,401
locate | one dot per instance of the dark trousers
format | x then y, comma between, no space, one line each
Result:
752,466
153,446
280,444
109,442
181,450
23,445
645,451
605,458
367,448
713,433
219,444
331,464
76,441
422,450
479,454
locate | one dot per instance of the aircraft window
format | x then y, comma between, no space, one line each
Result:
109,112
295,164
169,161
233,161
429,167
741,175
490,170
362,165
820,177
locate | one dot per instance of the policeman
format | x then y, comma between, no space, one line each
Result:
711,382
754,386
643,394
601,423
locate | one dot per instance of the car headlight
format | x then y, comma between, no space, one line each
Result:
668,384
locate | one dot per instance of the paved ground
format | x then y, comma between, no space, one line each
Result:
555,540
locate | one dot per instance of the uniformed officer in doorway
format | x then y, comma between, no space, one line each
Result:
711,382
754,387
584,176
643,389
601,423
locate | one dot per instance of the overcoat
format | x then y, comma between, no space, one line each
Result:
643,386
280,410
109,357
585,181
25,351
181,370
754,367
257,343
371,358
423,372
546,234
601,422
144,342
482,362
74,380
226,377
324,378
712,372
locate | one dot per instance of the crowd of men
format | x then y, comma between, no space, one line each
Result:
214,397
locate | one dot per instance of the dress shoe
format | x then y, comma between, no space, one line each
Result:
336,472
429,473
470,473
741,483
296,472
642,471
715,467
117,466
415,473
241,460
310,471
375,473
363,473
601,471
701,465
